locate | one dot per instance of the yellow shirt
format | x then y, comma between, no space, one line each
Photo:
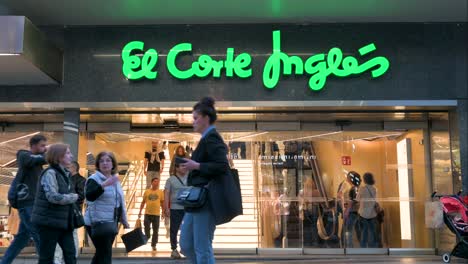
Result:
153,200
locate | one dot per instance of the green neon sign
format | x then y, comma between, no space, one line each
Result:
319,66
131,62
205,65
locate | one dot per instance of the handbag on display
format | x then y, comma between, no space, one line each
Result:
192,197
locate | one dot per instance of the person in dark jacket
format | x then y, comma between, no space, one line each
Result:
77,186
77,183
53,207
209,160
29,169
351,216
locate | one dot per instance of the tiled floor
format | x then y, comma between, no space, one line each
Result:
274,260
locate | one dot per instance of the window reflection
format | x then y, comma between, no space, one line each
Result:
308,199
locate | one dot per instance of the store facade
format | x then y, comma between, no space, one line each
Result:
302,104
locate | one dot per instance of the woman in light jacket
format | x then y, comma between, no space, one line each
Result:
106,203
209,160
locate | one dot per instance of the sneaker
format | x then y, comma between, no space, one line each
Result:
175,254
154,248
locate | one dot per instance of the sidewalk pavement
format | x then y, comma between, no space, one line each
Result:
271,260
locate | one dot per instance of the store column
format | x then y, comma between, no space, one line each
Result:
462,113
71,124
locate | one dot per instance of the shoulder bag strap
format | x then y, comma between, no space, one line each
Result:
116,202
375,200
181,182
372,196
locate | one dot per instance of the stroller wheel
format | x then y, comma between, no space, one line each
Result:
446,258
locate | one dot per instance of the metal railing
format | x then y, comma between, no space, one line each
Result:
130,189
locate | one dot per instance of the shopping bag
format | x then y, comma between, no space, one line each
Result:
138,223
225,197
434,215
167,225
134,239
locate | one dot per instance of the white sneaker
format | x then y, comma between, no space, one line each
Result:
175,254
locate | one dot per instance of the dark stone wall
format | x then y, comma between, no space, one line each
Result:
427,61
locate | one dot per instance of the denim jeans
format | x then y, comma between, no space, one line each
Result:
26,231
368,235
196,236
352,224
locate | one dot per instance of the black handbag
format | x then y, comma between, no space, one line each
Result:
100,229
225,197
106,228
77,217
192,197
134,239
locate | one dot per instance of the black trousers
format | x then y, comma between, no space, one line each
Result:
103,245
176,219
152,221
49,237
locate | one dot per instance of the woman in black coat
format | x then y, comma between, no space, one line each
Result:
209,160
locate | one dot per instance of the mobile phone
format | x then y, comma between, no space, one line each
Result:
179,160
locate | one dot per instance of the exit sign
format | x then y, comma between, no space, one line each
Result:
346,160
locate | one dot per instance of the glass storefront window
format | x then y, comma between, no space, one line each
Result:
306,199
296,189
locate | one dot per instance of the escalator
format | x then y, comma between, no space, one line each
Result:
289,171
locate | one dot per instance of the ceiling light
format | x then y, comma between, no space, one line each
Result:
9,54
314,136
249,136
14,139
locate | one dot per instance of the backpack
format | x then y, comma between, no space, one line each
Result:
18,190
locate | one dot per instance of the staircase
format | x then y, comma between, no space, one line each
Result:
240,233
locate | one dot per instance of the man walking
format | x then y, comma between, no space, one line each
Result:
154,163
29,170
153,199
171,207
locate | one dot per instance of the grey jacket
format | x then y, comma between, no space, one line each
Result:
101,209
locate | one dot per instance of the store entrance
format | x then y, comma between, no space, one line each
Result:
296,188
293,167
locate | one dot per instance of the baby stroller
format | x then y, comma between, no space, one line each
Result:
456,219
